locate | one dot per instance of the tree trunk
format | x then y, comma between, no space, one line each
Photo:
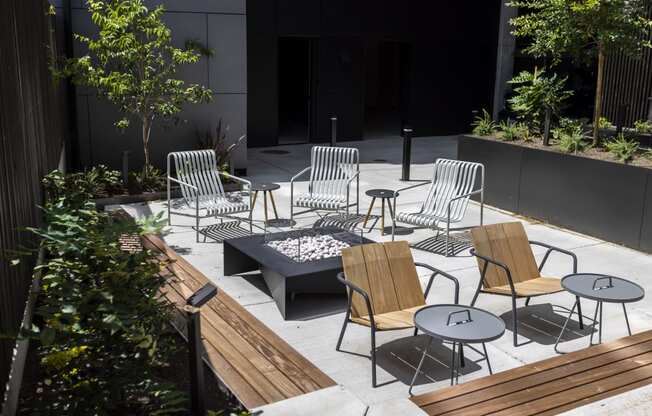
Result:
147,128
599,89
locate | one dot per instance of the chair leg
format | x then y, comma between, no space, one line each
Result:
373,357
339,340
197,227
527,301
579,312
515,318
477,293
416,331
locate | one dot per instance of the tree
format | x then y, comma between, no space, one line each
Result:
584,30
133,64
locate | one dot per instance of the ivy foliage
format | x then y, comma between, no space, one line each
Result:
103,329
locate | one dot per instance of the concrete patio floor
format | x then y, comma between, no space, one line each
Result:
398,351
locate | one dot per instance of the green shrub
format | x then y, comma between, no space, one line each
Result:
484,125
511,131
97,182
604,123
150,179
642,127
534,92
622,148
569,136
103,330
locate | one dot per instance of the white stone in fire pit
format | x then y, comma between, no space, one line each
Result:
309,248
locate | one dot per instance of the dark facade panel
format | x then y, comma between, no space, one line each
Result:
448,61
646,227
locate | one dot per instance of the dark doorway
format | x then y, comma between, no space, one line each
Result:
295,90
386,67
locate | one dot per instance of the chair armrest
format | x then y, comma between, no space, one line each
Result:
183,183
446,275
398,191
477,191
353,288
348,182
488,260
557,249
235,178
298,175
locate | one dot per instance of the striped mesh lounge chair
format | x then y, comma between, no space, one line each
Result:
448,197
201,188
332,170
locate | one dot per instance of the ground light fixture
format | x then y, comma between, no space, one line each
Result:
197,387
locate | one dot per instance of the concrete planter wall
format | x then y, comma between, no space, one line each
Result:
608,200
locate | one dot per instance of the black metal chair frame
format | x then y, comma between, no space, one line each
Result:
513,295
353,288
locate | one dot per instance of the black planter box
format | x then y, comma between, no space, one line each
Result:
607,200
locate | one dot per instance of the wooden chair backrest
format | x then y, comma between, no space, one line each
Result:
506,243
386,271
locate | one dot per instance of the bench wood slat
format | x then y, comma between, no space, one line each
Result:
250,359
551,386
541,378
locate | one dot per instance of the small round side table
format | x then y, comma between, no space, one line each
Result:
383,194
265,188
600,288
460,325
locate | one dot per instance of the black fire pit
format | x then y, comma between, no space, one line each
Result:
284,275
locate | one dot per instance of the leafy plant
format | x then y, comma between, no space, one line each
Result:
483,125
133,64
514,131
622,148
103,329
569,136
648,154
98,182
642,127
535,92
584,30
604,123
217,141
150,179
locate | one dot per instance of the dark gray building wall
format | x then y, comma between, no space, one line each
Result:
451,68
221,26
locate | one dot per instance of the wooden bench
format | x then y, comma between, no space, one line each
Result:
255,364
551,386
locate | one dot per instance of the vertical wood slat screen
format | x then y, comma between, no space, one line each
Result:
628,81
31,108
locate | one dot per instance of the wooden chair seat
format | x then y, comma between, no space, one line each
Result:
534,287
390,320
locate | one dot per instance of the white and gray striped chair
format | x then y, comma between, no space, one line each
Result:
332,170
198,176
447,199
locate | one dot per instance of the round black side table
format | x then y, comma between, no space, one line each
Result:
383,194
460,325
600,288
265,188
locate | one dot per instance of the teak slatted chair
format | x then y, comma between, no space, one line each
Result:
384,276
508,267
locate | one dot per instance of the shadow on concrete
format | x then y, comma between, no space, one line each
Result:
543,323
401,357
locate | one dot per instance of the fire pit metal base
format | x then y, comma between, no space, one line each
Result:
284,276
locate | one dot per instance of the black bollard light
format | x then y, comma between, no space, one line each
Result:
407,153
197,387
333,131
